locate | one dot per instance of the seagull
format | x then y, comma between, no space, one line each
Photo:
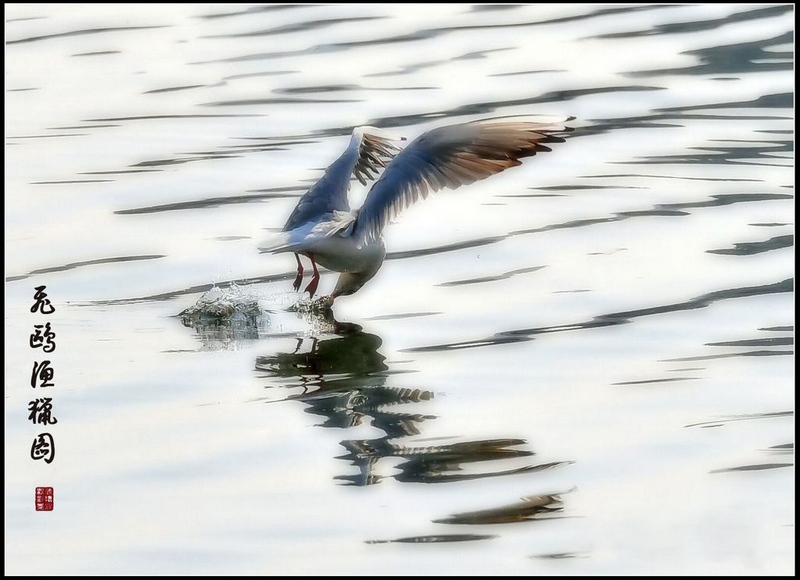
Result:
324,229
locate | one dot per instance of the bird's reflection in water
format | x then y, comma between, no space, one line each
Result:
342,377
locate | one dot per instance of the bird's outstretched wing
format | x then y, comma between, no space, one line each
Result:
367,153
449,157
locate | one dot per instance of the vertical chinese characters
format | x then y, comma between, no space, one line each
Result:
42,376
43,447
42,302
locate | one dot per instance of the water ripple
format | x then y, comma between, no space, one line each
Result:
495,278
535,507
304,26
172,89
756,467
435,539
73,265
745,417
250,10
273,193
617,318
745,57
82,33
701,25
750,248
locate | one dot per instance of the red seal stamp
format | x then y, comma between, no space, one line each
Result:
44,499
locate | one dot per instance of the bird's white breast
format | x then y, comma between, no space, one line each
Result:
347,254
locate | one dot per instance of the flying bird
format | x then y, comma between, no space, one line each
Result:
325,230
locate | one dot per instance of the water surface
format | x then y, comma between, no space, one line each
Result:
583,365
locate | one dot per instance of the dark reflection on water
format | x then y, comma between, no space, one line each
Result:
659,210
476,242
74,265
701,25
435,539
652,381
722,154
487,107
536,507
494,278
575,187
327,48
779,449
418,35
656,121
682,177
50,136
343,378
731,355
770,101
747,417
587,16
97,53
754,467
531,508
353,354
156,117
561,555
616,318
755,342
316,89
727,199
250,10
448,463
81,33
66,181
276,101
274,193
491,7
748,248
782,449
745,57
402,315
172,89
297,27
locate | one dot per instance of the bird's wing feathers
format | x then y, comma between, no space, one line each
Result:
376,149
367,153
449,157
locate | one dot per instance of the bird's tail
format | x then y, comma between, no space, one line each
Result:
275,243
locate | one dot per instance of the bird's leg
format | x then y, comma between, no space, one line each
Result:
299,278
312,286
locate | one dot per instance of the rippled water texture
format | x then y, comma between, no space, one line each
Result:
583,365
